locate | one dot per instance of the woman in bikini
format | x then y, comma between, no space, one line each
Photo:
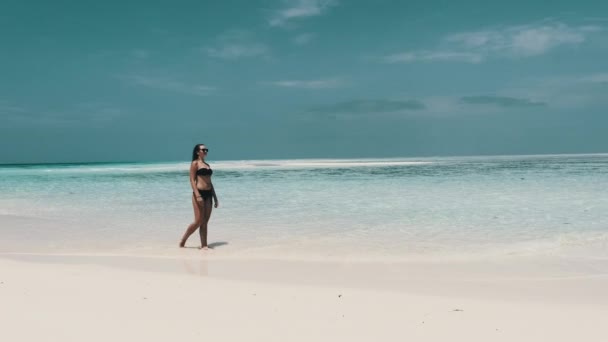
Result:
202,195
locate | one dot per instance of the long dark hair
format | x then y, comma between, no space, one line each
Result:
195,151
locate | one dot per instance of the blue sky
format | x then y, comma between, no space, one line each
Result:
142,81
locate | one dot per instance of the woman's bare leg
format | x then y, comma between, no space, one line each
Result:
205,215
194,225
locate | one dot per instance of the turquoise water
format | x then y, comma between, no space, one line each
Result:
475,206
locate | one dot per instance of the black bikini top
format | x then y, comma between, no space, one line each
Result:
204,172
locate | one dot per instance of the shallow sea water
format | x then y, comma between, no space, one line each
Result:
364,208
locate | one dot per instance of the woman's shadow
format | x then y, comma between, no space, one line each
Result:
211,245
217,244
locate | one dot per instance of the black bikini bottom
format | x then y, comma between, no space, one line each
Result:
205,193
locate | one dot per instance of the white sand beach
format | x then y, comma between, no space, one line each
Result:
104,298
481,249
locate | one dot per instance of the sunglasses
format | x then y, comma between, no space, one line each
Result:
204,150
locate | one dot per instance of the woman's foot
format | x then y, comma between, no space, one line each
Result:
206,247
182,244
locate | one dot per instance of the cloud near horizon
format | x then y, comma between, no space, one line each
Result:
68,115
501,101
170,85
303,39
237,44
309,84
361,107
599,78
7,108
434,56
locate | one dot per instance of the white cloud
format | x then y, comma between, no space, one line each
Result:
310,84
7,108
536,41
453,105
303,39
596,78
596,18
522,41
237,44
171,85
96,111
510,42
237,51
296,9
140,53
434,56
66,115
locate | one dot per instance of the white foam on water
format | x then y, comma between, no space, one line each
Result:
219,165
315,163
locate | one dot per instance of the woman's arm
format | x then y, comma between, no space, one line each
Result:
193,168
214,195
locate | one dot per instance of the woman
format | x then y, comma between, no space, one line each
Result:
202,194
